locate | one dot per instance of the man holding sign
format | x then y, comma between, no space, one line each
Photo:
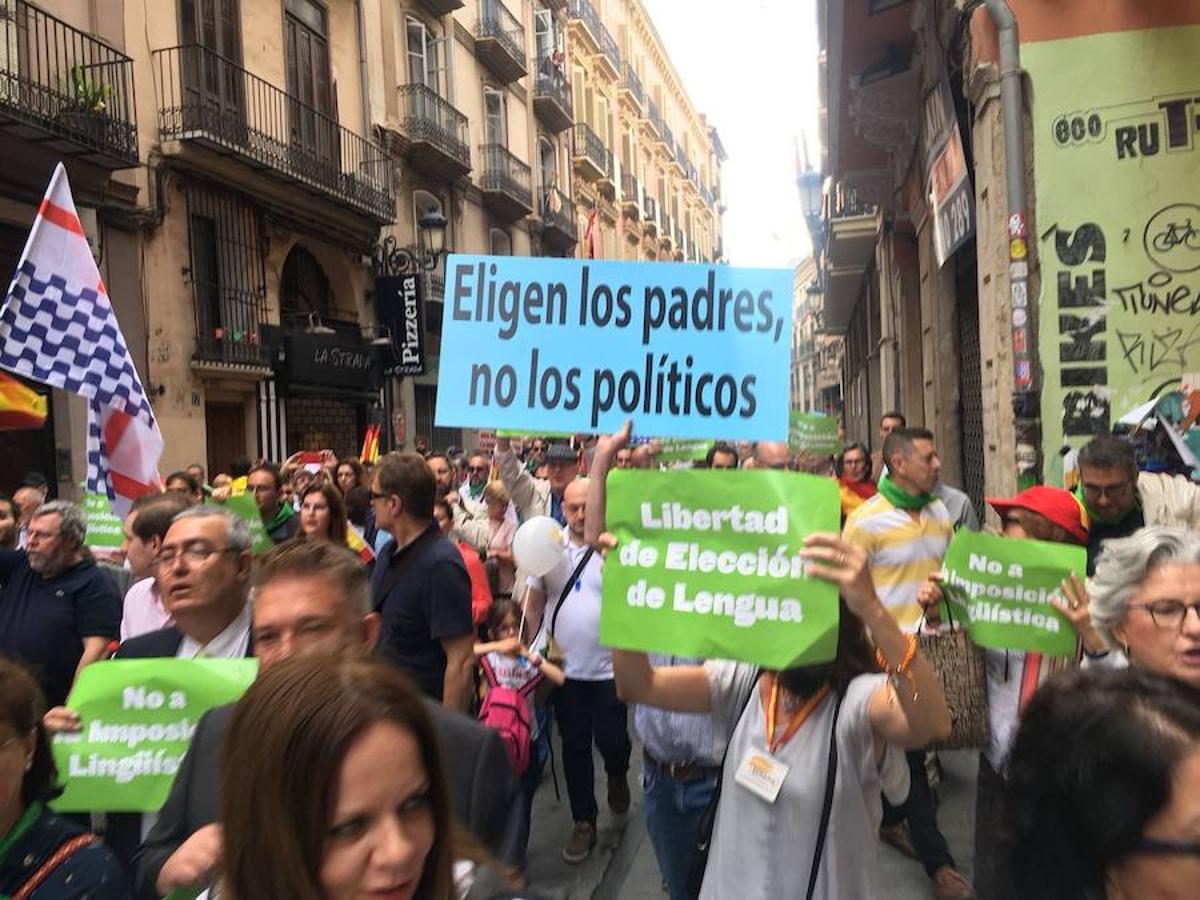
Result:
905,530
204,572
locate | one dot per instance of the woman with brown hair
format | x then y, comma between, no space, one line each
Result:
42,857
350,474
333,787
323,514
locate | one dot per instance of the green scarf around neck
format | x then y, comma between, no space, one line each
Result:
900,498
1093,516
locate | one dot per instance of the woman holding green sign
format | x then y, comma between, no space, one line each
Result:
808,750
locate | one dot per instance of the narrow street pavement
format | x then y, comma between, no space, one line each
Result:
623,865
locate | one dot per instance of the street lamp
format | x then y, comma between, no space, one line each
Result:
432,235
392,259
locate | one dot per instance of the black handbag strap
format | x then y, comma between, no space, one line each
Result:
566,591
716,795
827,805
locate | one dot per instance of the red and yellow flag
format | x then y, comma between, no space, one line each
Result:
370,446
20,407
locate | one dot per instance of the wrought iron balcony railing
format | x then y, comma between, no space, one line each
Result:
67,84
586,13
630,190
558,216
845,204
630,82
552,93
504,174
424,116
650,206
207,98
589,146
653,116
498,27
609,50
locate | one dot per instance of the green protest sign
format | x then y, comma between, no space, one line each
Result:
138,716
1001,587
706,565
814,433
103,528
683,450
244,507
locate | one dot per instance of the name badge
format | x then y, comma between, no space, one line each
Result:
761,774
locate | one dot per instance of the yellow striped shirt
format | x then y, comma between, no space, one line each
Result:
902,551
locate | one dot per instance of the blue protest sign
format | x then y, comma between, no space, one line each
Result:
538,344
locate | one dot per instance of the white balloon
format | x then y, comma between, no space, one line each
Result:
538,545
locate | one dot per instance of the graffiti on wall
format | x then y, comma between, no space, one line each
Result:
1117,179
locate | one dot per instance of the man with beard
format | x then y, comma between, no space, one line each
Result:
58,610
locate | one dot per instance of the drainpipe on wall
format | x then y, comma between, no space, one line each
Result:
1025,395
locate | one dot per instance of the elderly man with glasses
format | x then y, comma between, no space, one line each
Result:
58,610
203,569
1119,500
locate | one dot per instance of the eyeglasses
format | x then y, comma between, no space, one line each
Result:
477,469
32,535
1168,614
538,448
375,495
852,461
1164,847
195,554
1111,491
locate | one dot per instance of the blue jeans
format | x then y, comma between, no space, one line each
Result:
673,810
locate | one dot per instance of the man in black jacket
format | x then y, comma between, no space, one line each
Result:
313,598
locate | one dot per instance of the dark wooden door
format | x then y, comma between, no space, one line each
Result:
312,116
210,67
226,426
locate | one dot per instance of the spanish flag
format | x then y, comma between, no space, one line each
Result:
355,542
20,407
370,447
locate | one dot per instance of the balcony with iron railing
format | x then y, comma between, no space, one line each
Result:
584,22
65,89
552,94
500,41
653,118
630,88
666,231
608,61
650,218
433,133
631,196
667,138
211,102
592,159
559,228
506,183
227,327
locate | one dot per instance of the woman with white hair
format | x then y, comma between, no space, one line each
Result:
1145,600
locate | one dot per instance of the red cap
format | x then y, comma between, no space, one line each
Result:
1057,505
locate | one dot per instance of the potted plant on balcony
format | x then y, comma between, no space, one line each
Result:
85,107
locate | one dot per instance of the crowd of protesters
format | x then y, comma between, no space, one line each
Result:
412,675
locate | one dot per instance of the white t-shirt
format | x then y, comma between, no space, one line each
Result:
578,628
763,851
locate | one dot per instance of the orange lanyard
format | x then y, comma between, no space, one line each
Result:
798,717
